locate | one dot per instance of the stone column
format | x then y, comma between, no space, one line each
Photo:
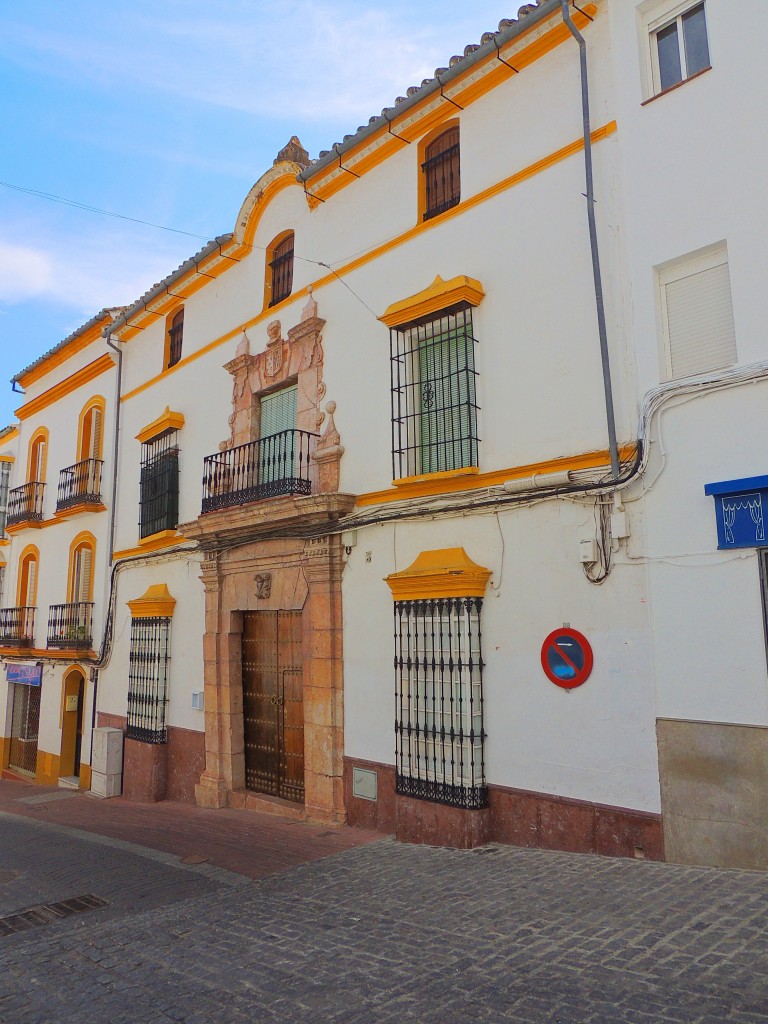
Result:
323,682
224,742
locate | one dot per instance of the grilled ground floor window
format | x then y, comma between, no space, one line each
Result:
434,394
159,496
149,663
439,733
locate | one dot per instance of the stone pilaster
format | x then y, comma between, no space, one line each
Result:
323,681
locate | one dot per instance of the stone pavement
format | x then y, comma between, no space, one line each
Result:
247,842
379,932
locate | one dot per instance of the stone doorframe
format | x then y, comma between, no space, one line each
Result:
278,574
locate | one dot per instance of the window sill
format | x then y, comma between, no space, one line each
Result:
157,538
448,474
666,92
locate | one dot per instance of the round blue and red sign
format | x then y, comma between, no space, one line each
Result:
566,658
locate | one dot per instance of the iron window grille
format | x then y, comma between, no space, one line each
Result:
175,337
442,177
439,733
25,721
434,394
149,661
159,491
281,271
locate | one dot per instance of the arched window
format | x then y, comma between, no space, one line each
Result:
38,450
89,444
81,554
174,338
441,178
280,269
27,581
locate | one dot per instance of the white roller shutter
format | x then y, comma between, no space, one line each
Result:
699,320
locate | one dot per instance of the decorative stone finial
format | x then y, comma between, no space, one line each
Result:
292,152
244,346
310,309
331,437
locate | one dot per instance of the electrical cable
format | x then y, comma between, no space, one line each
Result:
95,209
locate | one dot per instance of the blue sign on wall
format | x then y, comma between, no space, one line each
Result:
30,675
741,507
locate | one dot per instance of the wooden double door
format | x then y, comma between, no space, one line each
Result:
273,703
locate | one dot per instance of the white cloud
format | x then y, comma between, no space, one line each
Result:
105,269
298,58
24,272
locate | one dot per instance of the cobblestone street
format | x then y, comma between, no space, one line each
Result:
380,932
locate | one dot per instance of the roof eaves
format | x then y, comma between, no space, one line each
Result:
100,316
163,286
527,15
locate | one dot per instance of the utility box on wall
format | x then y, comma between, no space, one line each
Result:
107,762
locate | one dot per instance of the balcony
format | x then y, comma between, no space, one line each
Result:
17,627
267,468
70,626
80,485
25,503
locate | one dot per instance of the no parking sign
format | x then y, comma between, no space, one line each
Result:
566,658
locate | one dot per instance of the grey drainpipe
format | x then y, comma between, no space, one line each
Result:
113,509
607,388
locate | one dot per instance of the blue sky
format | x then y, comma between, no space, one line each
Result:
168,111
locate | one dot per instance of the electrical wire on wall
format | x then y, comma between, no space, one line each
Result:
599,571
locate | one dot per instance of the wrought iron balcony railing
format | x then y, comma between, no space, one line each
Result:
25,503
80,484
267,468
71,625
17,627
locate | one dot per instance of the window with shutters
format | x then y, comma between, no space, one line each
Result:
91,426
440,186
434,394
279,283
159,488
81,570
676,44
70,625
174,336
80,484
17,624
696,313
5,476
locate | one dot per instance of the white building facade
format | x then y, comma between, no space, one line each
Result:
437,515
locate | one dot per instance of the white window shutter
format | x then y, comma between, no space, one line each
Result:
699,318
95,445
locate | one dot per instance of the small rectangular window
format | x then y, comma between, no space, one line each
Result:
159,489
281,270
697,313
441,172
679,48
434,394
